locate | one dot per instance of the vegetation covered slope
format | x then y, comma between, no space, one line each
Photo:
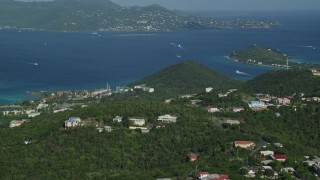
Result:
84,153
255,54
284,83
186,77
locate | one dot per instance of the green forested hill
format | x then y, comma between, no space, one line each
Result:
84,153
186,77
284,83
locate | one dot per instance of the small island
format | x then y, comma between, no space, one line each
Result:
258,55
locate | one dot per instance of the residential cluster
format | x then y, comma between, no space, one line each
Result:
154,18
135,123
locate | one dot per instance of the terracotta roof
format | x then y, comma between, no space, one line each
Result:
192,155
280,156
210,107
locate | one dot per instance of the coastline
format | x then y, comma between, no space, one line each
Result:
262,65
294,61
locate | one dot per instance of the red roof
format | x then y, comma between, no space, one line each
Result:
224,176
280,156
211,107
243,142
261,159
203,173
192,155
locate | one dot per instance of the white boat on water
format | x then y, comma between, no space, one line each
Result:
35,64
242,73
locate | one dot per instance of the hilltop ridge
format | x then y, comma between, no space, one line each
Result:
186,77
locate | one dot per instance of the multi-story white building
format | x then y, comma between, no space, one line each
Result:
138,121
72,122
167,119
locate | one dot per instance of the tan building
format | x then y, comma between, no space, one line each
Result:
138,121
244,144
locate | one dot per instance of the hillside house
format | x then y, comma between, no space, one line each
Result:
237,109
316,160
266,162
290,170
42,106
117,119
108,128
279,157
209,89
137,121
244,144
202,175
231,122
212,109
148,89
266,153
215,177
257,105
34,114
283,101
221,95
252,170
278,145
72,122
167,119
15,123
140,86
193,156
12,112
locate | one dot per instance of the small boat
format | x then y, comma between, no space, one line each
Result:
238,72
35,64
242,73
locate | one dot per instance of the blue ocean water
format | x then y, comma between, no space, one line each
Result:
82,60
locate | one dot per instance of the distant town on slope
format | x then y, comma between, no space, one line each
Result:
94,15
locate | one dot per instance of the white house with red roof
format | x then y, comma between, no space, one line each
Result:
193,156
244,144
280,157
212,109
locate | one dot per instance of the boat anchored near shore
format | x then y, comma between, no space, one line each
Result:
242,73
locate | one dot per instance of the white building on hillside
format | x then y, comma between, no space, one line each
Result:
167,118
138,121
117,119
72,122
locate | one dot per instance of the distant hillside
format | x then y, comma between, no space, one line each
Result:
259,55
93,15
284,82
186,77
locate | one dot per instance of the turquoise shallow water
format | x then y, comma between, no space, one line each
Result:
88,61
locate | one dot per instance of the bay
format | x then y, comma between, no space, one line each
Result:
84,60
